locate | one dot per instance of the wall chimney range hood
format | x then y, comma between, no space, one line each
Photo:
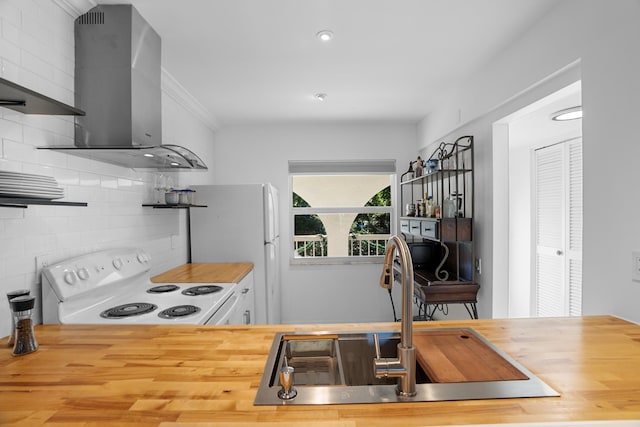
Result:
118,86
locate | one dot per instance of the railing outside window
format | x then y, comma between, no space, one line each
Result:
359,245
367,244
310,246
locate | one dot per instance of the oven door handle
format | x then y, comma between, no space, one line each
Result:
223,315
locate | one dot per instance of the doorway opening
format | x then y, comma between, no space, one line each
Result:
539,176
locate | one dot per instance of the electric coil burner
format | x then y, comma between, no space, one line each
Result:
202,290
128,310
179,311
114,286
163,289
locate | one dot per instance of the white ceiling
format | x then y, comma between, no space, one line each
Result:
256,61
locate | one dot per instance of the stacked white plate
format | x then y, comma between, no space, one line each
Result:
29,186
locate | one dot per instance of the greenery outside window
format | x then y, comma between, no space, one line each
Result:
341,211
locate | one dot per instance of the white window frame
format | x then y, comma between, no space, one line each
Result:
341,167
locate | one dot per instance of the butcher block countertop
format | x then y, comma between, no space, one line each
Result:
206,273
149,375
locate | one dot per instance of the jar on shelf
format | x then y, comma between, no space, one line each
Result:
432,165
185,197
410,209
449,207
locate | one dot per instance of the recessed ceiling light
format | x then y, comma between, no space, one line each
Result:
148,155
325,35
320,96
572,113
175,164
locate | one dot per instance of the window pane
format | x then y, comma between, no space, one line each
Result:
341,216
329,191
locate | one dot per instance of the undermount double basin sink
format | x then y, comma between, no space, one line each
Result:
337,368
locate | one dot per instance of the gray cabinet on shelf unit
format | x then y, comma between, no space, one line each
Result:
437,211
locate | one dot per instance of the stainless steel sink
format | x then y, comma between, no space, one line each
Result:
337,368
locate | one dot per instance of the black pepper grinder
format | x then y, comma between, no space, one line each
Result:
25,339
11,295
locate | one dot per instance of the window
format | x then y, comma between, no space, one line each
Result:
341,211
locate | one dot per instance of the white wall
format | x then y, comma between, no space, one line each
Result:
37,51
251,154
603,38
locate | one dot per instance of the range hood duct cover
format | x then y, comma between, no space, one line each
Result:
118,85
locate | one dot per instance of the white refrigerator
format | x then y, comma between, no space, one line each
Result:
240,224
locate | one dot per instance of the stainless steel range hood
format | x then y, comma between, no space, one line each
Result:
117,84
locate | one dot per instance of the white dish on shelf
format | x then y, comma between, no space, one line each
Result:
18,175
40,194
29,196
29,187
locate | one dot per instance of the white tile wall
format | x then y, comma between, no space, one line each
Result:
36,51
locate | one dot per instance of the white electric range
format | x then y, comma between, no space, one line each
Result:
114,287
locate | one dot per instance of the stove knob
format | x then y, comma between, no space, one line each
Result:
70,277
83,273
142,258
117,263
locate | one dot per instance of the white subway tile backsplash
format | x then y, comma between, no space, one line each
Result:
10,33
10,52
9,12
37,137
10,130
11,246
66,176
18,265
16,151
124,184
11,71
10,213
88,180
109,182
41,66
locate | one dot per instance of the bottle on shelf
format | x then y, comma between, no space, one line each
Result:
431,208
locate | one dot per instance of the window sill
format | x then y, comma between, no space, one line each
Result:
379,259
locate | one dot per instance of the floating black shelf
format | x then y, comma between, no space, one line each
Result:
15,202
27,101
178,206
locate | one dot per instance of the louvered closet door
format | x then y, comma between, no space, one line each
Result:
558,230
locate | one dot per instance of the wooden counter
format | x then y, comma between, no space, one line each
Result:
148,375
206,273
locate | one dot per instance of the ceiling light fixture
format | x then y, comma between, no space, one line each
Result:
148,155
572,113
325,35
320,96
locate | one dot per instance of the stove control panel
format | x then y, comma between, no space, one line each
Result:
94,271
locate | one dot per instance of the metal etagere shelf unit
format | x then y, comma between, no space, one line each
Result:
447,183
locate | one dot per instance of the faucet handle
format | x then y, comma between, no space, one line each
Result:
376,343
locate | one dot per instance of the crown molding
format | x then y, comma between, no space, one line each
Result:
175,90
75,8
